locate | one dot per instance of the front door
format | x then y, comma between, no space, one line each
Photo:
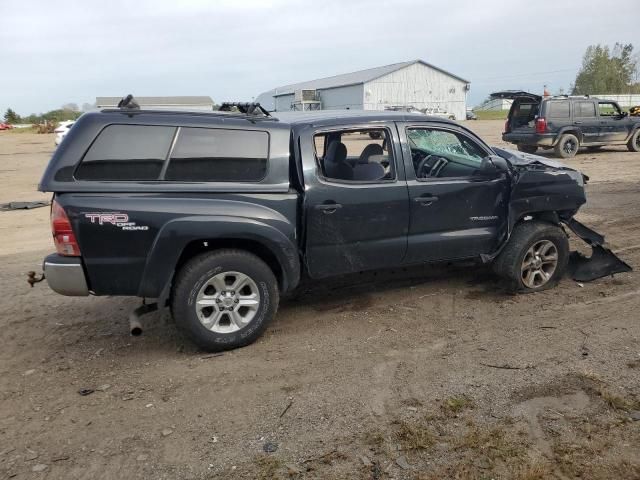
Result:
457,211
613,124
356,202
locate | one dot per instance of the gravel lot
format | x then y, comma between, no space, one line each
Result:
427,373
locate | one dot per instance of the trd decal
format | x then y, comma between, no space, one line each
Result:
119,220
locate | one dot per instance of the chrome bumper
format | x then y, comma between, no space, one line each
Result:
65,275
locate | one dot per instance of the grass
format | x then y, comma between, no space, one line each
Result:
456,404
21,130
268,467
414,436
492,442
491,114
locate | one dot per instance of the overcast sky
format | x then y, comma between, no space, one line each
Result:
52,53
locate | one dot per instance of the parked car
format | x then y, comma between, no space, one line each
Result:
218,214
438,112
565,124
5,126
471,115
62,130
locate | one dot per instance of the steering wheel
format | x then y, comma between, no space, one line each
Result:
424,169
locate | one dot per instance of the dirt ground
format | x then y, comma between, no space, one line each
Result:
428,373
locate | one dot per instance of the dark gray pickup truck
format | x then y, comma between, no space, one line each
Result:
217,214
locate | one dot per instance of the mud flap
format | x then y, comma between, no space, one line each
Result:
602,261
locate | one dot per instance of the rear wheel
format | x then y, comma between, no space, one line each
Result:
567,146
535,257
224,299
528,148
634,142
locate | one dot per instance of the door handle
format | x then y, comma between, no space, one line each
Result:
328,208
426,199
577,123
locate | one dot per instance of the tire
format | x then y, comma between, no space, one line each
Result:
526,237
527,148
567,146
634,142
256,305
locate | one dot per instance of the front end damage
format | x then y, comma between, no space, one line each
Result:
540,185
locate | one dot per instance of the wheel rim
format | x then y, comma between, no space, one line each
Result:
227,302
539,264
570,146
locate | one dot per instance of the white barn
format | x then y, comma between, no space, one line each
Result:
415,83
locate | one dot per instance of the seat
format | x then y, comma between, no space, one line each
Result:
370,150
335,162
368,172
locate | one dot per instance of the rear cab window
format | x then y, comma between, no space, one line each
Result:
175,154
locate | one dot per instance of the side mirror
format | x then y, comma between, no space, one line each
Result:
624,114
494,164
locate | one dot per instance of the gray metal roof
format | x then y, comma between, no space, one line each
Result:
353,78
165,101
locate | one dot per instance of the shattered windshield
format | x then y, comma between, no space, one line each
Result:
444,142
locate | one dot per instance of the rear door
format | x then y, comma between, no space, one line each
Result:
356,212
585,117
456,212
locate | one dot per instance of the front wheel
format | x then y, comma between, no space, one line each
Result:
535,258
634,142
224,299
567,146
527,148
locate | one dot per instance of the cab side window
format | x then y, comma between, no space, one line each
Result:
608,109
443,153
355,155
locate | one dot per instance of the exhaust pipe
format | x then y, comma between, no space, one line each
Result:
135,326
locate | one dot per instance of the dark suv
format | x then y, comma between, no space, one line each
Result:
567,123
218,214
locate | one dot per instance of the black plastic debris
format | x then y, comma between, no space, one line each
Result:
602,261
23,205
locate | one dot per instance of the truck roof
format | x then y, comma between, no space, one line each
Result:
324,117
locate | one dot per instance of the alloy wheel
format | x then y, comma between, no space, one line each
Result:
539,264
227,302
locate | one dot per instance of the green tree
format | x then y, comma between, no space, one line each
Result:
11,117
607,71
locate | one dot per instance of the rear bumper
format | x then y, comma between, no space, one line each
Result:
65,275
539,139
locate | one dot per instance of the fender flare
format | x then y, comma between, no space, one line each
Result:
568,129
176,234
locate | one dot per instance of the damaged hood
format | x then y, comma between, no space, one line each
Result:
521,159
518,158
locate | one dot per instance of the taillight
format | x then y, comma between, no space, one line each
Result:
507,127
63,236
541,125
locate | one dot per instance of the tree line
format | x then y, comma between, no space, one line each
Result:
66,112
610,71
